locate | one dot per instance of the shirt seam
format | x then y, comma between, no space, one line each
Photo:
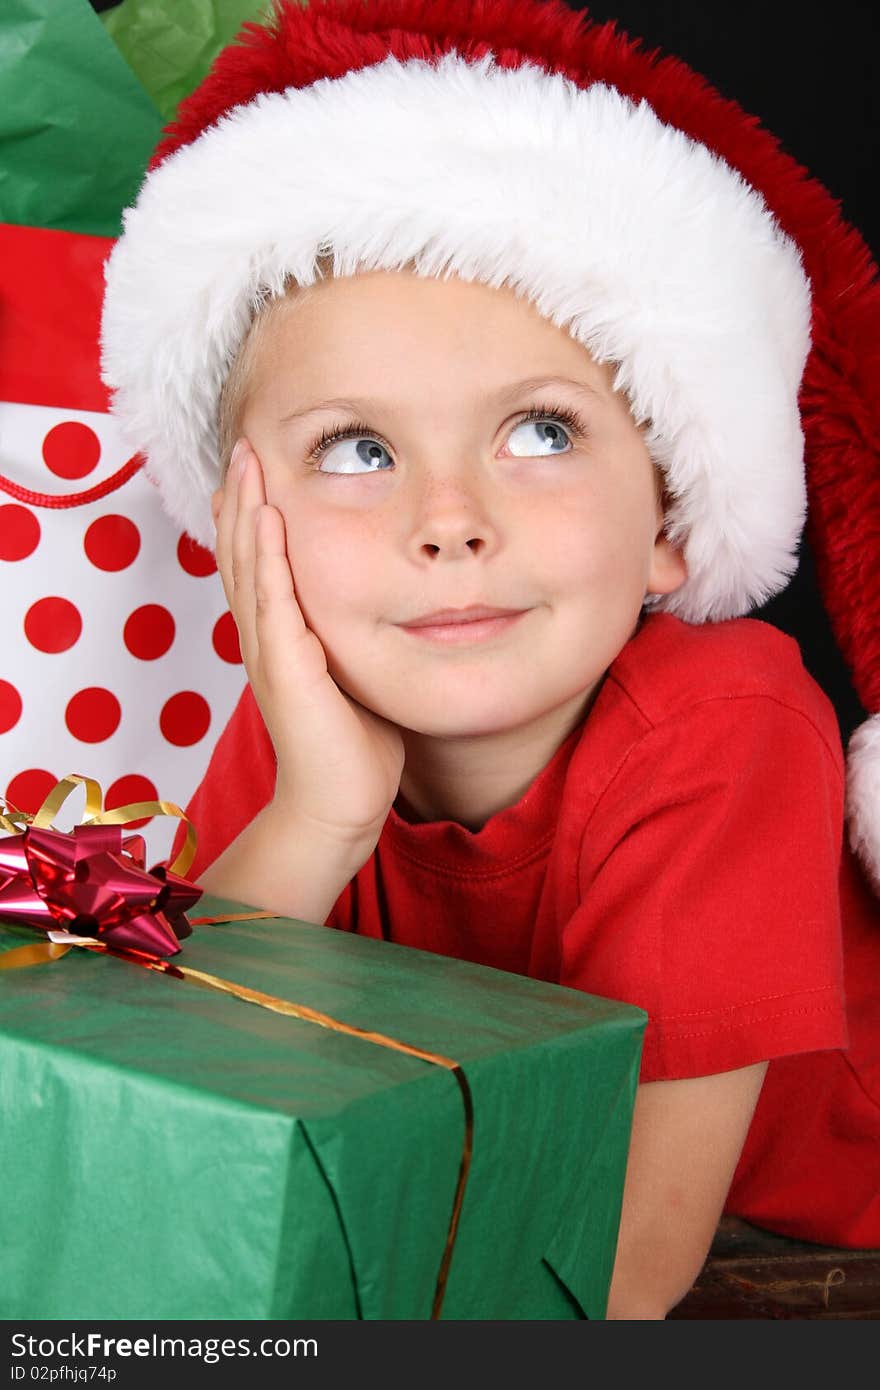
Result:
727,699
477,875
860,1083
750,1003
730,1026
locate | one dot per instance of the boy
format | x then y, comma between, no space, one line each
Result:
644,804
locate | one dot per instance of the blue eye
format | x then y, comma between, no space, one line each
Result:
367,455
551,431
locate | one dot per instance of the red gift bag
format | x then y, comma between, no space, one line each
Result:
118,656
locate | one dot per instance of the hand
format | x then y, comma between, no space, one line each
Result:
339,765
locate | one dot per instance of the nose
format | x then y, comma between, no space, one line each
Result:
453,523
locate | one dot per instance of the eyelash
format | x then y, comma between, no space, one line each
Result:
557,414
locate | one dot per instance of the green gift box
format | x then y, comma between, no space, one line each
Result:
172,1152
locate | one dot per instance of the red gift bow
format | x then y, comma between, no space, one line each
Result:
91,882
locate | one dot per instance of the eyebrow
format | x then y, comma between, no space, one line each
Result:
360,405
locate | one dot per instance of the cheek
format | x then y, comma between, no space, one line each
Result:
599,538
332,566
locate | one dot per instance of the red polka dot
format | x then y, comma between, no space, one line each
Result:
10,706
19,532
132,787
28,790
194,558
112,542
93,714
225,639
185,718
149,631
71,450
52,624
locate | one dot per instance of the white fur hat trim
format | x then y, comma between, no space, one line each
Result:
640,242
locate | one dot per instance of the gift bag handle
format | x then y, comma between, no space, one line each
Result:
73,499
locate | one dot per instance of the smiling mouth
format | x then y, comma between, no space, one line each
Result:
447,631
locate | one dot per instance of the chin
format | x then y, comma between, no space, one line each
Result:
461,723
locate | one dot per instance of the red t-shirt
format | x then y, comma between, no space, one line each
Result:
683,851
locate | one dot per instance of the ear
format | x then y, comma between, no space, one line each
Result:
668,567
668,570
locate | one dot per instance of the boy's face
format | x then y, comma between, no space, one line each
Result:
451,498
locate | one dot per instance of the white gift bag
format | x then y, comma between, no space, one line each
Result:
119,659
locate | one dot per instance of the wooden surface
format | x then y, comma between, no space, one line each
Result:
755,1274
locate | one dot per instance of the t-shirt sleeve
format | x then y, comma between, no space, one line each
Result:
238,782
708,888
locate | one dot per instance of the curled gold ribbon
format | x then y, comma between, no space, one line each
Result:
36,954
14,820
50,877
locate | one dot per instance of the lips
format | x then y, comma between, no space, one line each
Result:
464,627
450,617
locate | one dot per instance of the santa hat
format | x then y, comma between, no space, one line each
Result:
516,142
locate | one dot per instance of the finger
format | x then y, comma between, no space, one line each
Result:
250,496
224,520
288,651
273,577
221,546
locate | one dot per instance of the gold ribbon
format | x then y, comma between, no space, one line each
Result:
42,952
94,814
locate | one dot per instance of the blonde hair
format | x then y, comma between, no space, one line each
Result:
241,377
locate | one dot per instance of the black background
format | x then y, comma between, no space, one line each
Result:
810,75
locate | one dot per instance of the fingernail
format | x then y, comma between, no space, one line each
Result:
239,454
